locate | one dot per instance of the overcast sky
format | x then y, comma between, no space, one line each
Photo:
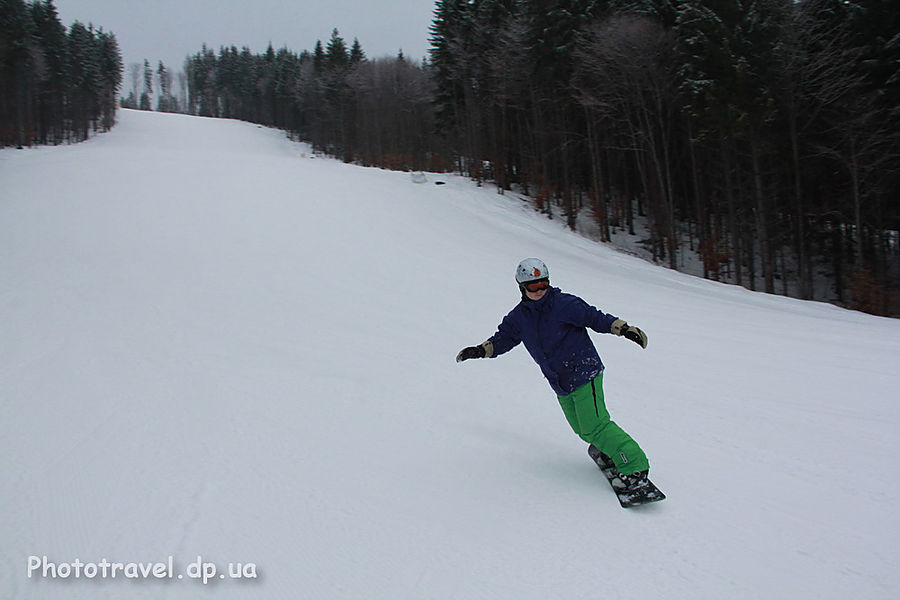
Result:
169,30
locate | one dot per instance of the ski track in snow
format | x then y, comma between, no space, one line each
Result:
215,345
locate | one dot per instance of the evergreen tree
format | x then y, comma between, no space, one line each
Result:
356,53
110,65
167,102
16,87
201,74
147,93
318,58
336,56
54,57
84,79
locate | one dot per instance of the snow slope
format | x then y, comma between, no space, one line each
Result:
212,345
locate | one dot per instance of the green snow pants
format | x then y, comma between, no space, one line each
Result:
586,412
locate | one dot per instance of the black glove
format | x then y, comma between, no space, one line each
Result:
470,352
630,332
485,350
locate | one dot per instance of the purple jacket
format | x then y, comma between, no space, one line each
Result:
554,332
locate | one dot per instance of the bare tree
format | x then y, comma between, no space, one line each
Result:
626,79
507,71
393,112
135,72
816,70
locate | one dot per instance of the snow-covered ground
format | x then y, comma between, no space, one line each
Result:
213,346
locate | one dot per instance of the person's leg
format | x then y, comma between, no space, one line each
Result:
567,404
585,410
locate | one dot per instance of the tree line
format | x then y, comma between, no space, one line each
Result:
376,112
56,84
761,135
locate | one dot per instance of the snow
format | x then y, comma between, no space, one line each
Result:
215,346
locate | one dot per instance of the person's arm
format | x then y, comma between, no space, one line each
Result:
501,342
585,315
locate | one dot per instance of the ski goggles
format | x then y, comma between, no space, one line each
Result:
536,286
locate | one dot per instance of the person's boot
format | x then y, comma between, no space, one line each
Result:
602,460
634,482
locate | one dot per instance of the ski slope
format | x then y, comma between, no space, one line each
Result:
213,345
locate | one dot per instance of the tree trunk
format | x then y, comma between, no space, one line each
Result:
762,233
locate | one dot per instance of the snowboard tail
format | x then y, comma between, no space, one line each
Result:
627,498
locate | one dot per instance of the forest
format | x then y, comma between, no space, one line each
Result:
57,84
758,135
760,138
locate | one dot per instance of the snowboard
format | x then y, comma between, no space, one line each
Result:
645,495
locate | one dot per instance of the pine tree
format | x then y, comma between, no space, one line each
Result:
147,93
51,37
337,122
202,92
448,59
336,56
16,88
110,65
356,53
85,79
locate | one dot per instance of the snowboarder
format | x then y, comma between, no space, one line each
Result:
553,326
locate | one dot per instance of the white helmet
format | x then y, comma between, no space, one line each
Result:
531,269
